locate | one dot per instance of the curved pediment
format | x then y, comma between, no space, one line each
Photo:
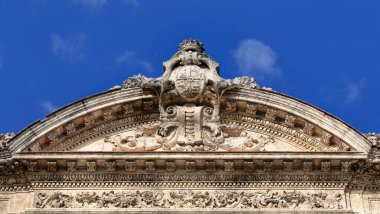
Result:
189,109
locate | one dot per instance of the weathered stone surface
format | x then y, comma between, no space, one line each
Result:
189,141
4,138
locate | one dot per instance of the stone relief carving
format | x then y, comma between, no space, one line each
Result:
189,101
4,138
298,138
144,139
192,199
195,178
374,138
134,81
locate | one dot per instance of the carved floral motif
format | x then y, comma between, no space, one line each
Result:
374,138
290,121
4,138
189,99
251,108
70,128
192,199
246,82
134,81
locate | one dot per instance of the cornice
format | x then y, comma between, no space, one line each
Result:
306,111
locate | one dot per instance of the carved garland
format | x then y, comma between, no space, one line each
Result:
192,199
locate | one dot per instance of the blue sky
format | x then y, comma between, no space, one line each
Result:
323,52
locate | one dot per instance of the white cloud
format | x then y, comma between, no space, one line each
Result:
131,59
353,90
125,58
48,106
92,4
255,58
146,66
68,48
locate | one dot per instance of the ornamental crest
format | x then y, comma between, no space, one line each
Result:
190,81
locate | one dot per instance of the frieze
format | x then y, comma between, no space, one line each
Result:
176,185
193,199
359,175
341,177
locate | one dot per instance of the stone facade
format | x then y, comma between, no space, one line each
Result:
189,141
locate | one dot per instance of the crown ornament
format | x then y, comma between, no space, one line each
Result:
191,45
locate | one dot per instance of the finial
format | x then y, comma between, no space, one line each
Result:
191,44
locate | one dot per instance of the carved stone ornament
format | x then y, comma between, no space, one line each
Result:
4,138
374,138
193,199
134,81
189,101
187,142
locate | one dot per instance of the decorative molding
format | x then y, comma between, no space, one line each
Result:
150,166
229,166
249,166
4,139
325,166
33,166
295,137
271,114
230,106
290,121
190,166
251,109
86,135
210,166
193,199
326,137
91,166
51,166
175,185
268,166
308,129
128,108
110,166
71,166
307,166
170,166
288,166
186,176
374,138
130,166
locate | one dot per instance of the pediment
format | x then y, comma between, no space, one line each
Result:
189,109
247,127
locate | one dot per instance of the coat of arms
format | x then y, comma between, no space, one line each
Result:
190,81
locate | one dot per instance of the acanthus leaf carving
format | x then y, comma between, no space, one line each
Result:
192,199
4,139
134,81
189,101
